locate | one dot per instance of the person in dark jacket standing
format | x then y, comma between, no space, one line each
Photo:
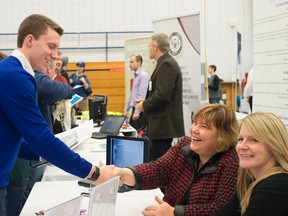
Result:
163,104
213,85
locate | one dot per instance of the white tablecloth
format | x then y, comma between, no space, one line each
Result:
46,195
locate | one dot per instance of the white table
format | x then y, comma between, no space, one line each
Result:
93,150
45,195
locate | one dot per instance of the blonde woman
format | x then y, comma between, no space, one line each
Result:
262,186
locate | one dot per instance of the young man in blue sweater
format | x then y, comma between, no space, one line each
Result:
23,131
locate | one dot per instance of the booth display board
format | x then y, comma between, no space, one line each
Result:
270,86
184,34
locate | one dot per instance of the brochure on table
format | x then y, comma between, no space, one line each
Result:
77,135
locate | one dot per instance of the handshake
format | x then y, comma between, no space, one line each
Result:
126,176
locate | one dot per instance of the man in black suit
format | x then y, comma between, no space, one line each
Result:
163,104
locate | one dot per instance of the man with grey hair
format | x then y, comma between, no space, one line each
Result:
163,104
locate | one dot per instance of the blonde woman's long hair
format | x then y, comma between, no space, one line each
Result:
267,128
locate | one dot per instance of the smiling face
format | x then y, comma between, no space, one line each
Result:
253,155
42,51
59,62
203,139
50,71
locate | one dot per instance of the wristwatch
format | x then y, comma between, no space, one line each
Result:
95,174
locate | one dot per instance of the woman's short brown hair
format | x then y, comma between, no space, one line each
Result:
225,122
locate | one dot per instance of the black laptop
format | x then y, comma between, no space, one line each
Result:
111,126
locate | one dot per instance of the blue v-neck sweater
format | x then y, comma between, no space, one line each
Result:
21,123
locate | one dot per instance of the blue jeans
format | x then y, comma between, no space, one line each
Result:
36,175
3,201
14,197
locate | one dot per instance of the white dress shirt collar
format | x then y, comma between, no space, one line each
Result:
24,61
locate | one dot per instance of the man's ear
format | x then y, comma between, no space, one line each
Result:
29,40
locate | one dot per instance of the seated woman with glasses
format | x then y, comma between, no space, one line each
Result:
262,187
198,173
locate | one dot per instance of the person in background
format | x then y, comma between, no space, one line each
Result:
199,173
63,71
2,56
163,104
262,186
213,85
240,106
23,130
248,90
81,84
58,120
244,82
50,91
139,90
58,65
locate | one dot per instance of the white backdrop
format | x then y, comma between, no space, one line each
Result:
270,87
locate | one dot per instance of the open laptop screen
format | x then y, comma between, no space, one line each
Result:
112,124
126,151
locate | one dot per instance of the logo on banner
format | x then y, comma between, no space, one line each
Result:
176,43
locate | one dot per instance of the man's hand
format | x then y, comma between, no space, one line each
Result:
125,114
106,173
135,116
139,104
85,84
82,79
163,209
126,176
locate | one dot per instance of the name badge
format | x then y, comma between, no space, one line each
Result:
150,85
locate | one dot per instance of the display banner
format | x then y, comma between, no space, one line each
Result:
184,34
270,84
